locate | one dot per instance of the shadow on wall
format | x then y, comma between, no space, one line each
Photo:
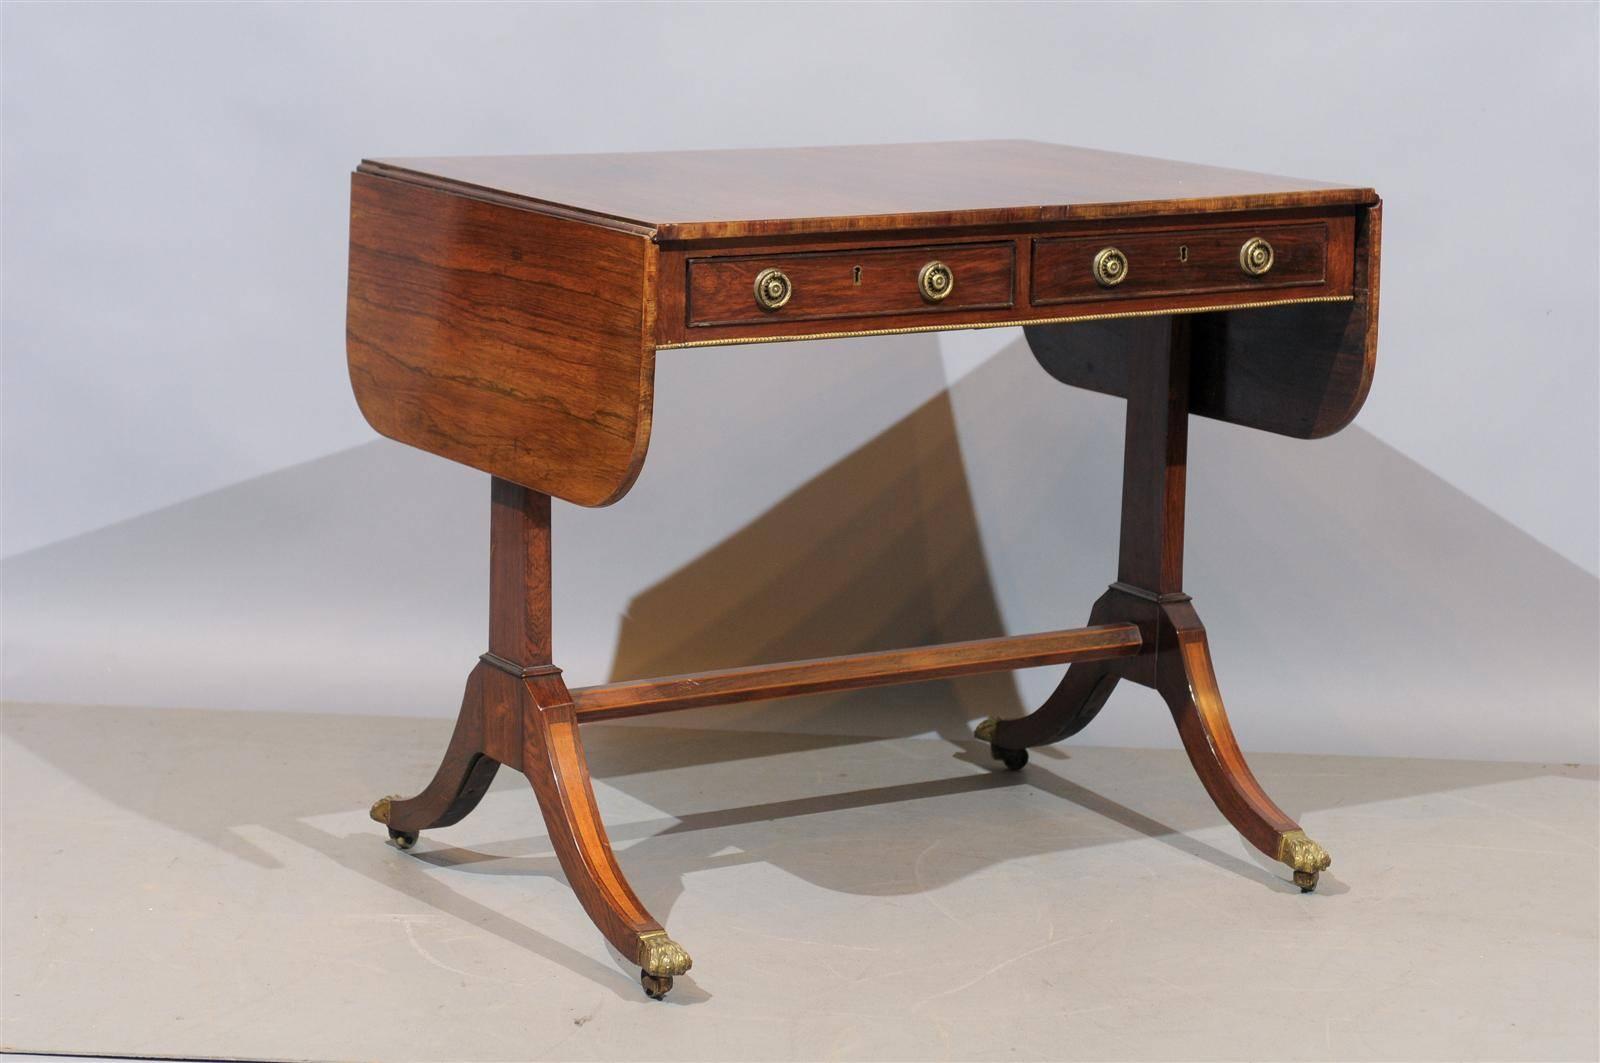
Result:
881,550
356,583
1356,603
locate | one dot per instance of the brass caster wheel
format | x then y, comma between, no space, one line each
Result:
1305,858
659,959
1013,759
403,839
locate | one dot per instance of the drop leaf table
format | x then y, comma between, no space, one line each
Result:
508,313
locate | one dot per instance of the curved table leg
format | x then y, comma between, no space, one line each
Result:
460,783
1081,694
555,764
1077,699
517,711
1188,683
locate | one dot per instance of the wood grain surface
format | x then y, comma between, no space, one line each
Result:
683,321
518,334
505,339
854,671
1186,261
687,195
858,283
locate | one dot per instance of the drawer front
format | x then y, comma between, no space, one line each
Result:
871,282
1177,262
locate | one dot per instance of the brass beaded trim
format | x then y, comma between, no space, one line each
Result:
908,330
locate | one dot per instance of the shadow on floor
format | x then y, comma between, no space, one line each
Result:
219,775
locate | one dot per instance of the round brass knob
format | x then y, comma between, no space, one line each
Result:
1255,257
1110,267
773,289
936,282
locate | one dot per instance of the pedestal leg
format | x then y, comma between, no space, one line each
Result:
457,787
556,767
1081,694
518,712
1149,593
1188,683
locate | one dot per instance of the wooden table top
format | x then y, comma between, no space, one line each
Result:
505,312
689,195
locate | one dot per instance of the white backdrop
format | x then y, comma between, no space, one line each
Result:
190,495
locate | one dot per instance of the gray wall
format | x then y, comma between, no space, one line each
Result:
191,498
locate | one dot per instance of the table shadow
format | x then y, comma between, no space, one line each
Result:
213,773
977,497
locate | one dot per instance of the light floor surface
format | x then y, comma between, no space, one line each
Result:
207,884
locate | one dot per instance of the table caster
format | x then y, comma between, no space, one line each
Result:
1305,858
1013,759
403,839
659,959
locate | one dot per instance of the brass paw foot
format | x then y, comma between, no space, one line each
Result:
403,839
660,955
1013,759
659,959
1305,857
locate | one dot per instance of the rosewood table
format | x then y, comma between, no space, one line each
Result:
508,312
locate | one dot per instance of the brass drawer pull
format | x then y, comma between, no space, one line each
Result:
772,289
936,282
867,282
1110,267
1255,257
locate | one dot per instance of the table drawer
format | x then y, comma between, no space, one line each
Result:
866,282
1120,265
